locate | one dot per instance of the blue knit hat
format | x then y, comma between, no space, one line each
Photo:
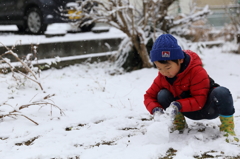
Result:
166,48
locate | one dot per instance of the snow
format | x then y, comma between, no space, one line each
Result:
159,137
12,39
104,113
50,61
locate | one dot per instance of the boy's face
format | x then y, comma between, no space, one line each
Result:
169,69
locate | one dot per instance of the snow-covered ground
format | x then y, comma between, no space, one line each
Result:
105,117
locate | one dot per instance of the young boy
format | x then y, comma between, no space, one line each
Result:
184,88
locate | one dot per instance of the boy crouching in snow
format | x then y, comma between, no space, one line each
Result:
184,88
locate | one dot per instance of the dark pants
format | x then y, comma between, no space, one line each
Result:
219,102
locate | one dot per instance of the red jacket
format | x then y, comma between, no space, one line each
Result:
194,79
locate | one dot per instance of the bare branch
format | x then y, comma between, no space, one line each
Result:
29,119
24,65
11,114
31,79
40,103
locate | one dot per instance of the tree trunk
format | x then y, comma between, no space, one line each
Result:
144,56
142,51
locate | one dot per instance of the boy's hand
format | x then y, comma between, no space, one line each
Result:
157,112
173,109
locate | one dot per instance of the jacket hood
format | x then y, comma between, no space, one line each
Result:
193,62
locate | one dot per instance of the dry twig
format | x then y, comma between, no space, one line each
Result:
41,103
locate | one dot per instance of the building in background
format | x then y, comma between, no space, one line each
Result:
223,11
180,6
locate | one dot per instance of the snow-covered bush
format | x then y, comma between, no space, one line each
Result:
23,72
142,21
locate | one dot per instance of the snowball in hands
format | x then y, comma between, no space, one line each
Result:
173,110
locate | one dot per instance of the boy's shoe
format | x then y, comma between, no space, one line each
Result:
227,127
179,123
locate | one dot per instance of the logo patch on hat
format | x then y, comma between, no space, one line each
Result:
165,53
